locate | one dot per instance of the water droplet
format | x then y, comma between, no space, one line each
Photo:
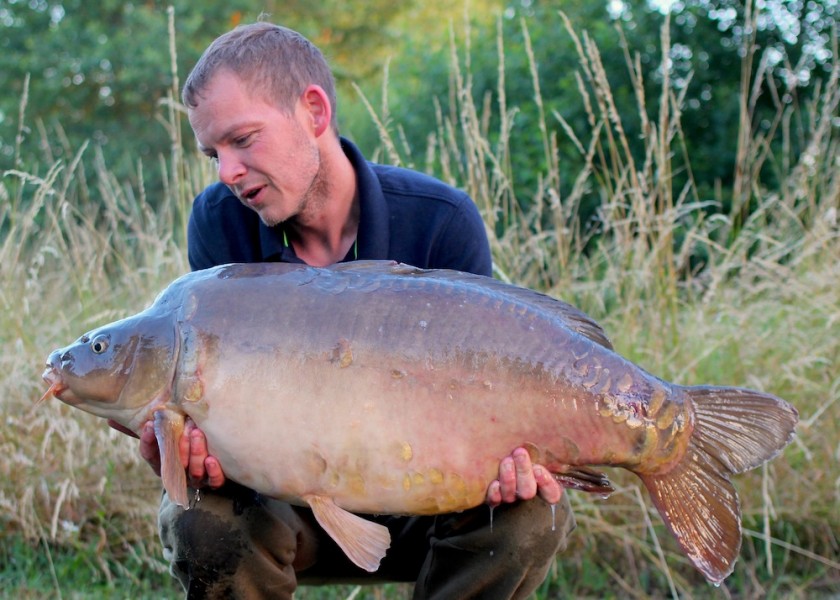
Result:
716,584
491,521
553,517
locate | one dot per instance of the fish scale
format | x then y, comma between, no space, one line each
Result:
379,388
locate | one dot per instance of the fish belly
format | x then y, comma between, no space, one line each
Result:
391,435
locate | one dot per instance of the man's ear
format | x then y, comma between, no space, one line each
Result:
317,104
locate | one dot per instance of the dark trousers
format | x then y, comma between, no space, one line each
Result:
235,543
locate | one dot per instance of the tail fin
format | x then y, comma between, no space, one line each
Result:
735,430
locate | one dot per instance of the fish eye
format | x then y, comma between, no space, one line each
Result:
99,344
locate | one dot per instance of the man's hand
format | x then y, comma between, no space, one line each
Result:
202,469
519,479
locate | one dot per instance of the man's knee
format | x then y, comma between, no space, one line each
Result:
203,547
218,548
537,530
203,538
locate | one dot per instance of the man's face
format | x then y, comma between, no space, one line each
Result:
268,158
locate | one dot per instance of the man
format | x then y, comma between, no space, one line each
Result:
261,102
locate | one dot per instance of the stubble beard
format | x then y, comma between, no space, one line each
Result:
312,200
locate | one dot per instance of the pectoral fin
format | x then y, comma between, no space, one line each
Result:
169,426
364,542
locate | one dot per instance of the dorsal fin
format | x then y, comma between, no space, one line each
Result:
572,317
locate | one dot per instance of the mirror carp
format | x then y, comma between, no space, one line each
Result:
375,387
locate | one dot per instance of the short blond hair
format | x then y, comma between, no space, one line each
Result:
275,62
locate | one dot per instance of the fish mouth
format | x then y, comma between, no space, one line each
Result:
57,385
53,376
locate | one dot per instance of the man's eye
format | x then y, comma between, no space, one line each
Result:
242,141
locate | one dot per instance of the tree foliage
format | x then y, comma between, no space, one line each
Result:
791,39
99,70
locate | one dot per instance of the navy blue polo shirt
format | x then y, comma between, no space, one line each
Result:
403,215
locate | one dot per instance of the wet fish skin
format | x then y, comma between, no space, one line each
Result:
354,377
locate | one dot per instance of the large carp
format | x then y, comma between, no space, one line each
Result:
375,387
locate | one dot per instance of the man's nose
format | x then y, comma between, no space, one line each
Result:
230,168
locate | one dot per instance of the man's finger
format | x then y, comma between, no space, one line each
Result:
149,450
197,455
494,494
526,485
547,487
215,475
507,480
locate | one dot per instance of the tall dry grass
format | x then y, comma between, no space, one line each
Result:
764,311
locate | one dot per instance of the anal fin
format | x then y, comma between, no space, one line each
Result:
585,479
575,477
364,542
